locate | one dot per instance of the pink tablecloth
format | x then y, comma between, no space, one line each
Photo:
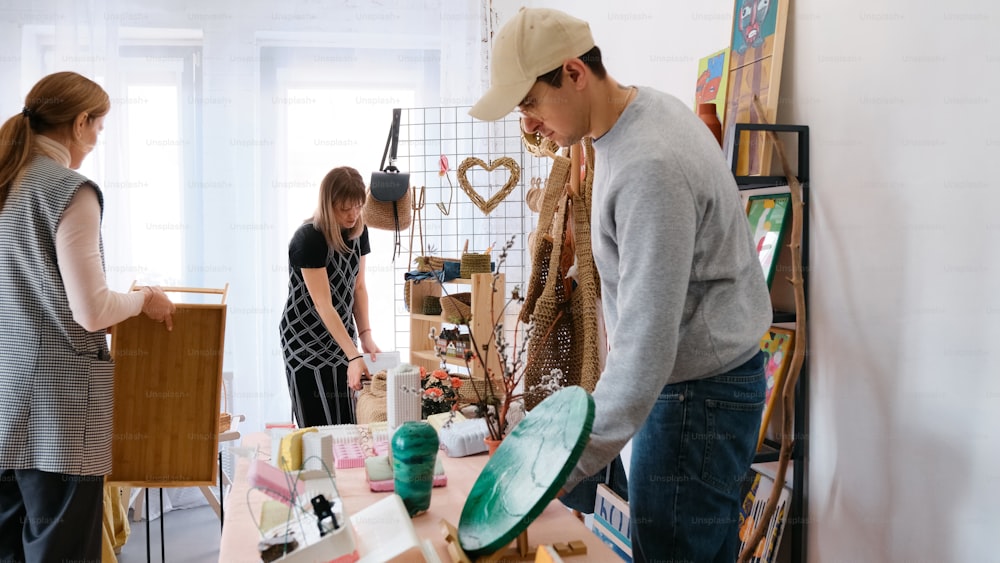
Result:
240,534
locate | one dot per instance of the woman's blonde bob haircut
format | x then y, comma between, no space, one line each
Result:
341,187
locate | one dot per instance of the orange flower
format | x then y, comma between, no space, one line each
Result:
433,392
423,372
440,374
456,382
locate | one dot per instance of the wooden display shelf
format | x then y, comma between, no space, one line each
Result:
428,318
428,355
484,301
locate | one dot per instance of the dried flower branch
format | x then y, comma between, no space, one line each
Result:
499,391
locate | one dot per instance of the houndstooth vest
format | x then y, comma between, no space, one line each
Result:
56,379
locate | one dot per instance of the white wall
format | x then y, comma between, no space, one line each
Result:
903,104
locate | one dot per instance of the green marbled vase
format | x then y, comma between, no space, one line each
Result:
414,451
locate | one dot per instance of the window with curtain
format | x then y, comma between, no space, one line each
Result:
224,120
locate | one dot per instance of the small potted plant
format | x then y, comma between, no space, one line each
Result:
439,391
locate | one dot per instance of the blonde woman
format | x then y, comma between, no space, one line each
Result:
327,306
56,374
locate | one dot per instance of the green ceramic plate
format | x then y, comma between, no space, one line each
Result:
526,472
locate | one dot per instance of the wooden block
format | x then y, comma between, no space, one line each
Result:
575,547
578,547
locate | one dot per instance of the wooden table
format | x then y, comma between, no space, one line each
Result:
240,534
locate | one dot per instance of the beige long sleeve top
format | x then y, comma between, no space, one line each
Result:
94,305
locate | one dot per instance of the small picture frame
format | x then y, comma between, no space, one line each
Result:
767,215
777,343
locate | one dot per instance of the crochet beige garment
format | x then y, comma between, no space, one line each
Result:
565,334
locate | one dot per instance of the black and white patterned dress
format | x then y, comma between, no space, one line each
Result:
315,365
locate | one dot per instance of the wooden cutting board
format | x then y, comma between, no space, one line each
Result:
168,386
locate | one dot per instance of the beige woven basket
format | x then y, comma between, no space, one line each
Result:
474,390
457,307
371,406
431,263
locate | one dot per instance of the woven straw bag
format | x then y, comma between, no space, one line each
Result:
566,330
389,215
371,405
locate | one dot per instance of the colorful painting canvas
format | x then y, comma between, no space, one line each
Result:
753,22
713,79
767,215
753,508
777,344
756,54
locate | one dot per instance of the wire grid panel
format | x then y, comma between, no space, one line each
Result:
449,219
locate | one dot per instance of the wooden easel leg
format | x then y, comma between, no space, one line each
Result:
522,544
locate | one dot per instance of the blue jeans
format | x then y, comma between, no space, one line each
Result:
688,461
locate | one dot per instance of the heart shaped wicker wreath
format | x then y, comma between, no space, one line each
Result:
487,206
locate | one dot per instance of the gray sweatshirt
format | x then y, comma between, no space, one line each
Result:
683,293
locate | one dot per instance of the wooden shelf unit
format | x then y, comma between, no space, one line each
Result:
485,305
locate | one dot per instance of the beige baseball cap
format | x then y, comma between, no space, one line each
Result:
533,42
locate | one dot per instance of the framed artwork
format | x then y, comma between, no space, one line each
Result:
751,511
713,79
756,54
767,215
777,344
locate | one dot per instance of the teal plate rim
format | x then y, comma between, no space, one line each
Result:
549,494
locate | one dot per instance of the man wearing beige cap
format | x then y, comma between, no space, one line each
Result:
684,297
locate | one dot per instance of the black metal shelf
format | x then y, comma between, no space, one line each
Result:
798,516
783,317
754,182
